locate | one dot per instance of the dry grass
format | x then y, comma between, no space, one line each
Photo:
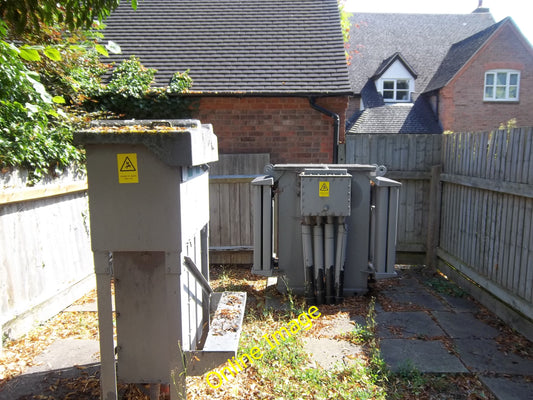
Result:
288,373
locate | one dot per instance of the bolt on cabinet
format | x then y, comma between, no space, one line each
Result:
149,208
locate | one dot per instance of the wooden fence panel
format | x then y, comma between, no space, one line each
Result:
487,212
46,261
408,159
230,200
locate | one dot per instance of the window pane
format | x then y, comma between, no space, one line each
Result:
402,95
500,92
489,79
388,84
489,92
402,84
501,78
513,79
513,92
388,94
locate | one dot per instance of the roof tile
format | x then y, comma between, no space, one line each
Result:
422,39
259,46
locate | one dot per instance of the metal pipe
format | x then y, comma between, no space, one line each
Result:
307,246
329,258
193,269
336,126
340,260
318,250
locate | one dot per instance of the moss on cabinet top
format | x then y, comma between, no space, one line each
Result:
175,142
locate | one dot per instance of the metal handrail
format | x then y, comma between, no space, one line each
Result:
198,275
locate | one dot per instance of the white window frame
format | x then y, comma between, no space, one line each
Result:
492,91
395,90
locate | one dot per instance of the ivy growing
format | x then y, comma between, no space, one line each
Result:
34,133
130,94
55,81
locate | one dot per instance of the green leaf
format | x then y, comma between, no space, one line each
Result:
29,54
134,4
58,99
102,50
52,54
3,28
41,90
33,75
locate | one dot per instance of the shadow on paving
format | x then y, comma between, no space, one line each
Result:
78,382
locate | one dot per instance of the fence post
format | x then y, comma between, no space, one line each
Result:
435,199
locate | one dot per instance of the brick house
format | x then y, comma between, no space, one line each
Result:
270,75
425,73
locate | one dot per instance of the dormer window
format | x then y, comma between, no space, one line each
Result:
501,85
395,79
396,90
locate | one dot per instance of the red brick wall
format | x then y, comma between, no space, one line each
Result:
286,127
461,105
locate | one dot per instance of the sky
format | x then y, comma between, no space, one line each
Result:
521,11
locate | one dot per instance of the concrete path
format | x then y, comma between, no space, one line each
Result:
443,335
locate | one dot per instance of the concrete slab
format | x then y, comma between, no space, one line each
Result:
340,326
507,388
460,304
328,353
464,325
407,324
63,359
65,353
419,298
425,356
43,385
406,284
482,355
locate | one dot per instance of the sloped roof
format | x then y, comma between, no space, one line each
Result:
370,95
397,118
422,39
458,56
234,46
389,61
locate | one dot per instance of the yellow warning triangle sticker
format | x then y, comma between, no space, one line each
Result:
128,169
127,166
323,189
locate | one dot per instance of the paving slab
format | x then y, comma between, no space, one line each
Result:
483,355
419,298
426,356
406,324
65,358
406,284
38,385
328,353
460,304
65,353
464,325
340,326
507,388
